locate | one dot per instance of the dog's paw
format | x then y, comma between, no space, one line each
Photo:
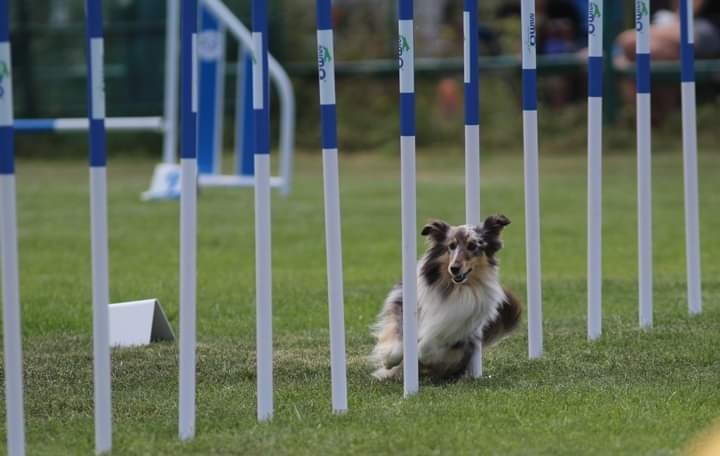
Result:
384,374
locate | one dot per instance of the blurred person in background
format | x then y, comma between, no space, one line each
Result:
665,45
665,33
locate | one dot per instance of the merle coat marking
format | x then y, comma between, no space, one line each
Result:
460,302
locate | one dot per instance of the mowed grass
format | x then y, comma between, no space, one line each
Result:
632,392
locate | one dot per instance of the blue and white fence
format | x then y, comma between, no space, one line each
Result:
595,20
406,63
331,183
532,184
165,124
644,168
689,122
99,225
12,339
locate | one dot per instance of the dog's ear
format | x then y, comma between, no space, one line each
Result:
495,224
436,230
491,229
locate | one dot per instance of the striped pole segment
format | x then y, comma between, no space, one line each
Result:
172,24
333,243
98,224
188,217
532,186
472,135
12,338
595,147
644,170
406,62
263,268
689,122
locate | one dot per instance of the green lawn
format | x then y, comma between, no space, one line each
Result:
633,392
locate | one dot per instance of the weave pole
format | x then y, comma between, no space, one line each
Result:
263,268
406,64
472,136
690,150
532,185
98,223
188,217
333,243
595,148
12,338
644,167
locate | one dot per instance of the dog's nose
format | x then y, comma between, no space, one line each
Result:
455,270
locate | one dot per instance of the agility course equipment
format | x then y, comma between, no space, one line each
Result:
595,148
331,184
165,124
12,338
262,71
644,167
188,218
471,79
406,65
211,123
532,180
217,21
99,225
263,266
690,169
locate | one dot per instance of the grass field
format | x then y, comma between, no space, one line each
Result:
633,392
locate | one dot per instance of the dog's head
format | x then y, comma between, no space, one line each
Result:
460,250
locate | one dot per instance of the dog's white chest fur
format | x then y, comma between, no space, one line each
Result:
444,320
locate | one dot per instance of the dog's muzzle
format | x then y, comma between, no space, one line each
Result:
461,278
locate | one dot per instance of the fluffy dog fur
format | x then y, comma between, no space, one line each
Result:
460,302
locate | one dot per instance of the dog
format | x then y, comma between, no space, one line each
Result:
460,303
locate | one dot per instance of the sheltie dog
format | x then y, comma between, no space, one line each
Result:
460,303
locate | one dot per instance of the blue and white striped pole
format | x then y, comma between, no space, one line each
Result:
263,267
532,184
472,135
406,62
689,119
595,148
98,223
188,217
333,240
644,170
12,338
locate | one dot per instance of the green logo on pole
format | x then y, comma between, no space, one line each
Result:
325,56
404,46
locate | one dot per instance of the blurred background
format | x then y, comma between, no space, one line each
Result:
48,58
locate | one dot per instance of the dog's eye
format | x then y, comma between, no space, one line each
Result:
452,245
472,246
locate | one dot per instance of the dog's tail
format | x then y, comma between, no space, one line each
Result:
505,322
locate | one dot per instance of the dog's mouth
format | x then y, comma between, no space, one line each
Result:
461,278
